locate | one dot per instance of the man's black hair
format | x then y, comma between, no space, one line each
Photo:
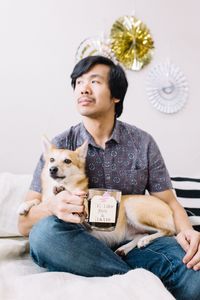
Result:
117,80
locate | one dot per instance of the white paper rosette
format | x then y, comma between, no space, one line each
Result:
167,87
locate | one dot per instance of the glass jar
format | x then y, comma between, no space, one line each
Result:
103,208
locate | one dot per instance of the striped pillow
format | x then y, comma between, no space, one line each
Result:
188,194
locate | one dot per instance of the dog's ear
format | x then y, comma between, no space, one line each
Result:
46,144
82,150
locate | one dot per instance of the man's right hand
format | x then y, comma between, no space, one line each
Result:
67,206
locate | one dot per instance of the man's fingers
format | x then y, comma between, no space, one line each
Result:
192,258
76,200
80,193
195,261
183,242
191,252
73,218
74,208
197,267
188,248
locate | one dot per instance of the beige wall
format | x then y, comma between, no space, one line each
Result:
39,39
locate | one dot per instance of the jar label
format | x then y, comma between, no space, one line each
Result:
103,209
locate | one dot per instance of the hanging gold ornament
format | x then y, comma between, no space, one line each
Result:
131,42
95,46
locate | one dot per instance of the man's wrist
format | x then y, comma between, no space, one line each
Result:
48,206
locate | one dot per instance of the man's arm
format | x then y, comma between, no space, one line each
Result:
187,237
37,212
65,206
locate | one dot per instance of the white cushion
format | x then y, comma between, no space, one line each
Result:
13,189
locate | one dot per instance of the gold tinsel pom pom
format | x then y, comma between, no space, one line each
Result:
131,42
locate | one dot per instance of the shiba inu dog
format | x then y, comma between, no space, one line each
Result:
63,170
141,218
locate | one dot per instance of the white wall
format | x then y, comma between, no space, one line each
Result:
38,41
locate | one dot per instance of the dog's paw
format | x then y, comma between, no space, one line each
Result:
26,206
23,209
58,189
120,252
123,250
143,242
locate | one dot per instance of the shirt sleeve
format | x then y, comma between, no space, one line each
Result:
36,181
158,179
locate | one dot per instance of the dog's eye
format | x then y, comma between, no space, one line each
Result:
67,161
52,159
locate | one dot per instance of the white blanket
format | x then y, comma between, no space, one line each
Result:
21,279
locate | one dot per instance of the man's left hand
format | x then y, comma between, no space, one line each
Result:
190,242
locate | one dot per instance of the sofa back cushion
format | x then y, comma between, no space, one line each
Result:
13,189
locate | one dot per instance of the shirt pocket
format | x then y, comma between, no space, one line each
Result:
136,181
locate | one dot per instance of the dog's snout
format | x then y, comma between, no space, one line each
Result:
53,170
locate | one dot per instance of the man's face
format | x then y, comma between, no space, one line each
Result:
92,93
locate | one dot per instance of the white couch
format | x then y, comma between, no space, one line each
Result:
21,279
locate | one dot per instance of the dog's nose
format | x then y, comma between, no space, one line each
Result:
53,170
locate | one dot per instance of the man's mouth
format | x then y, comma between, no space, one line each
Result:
85,100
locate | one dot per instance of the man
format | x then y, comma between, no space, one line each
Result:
120,156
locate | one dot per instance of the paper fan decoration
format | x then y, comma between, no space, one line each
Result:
131,42
167,87
94,46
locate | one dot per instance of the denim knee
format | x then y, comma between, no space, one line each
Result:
40,237
43,238
187,284
163,257
51,242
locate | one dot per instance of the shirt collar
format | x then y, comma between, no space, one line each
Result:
87,136
116,132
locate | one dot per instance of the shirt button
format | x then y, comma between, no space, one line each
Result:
108,177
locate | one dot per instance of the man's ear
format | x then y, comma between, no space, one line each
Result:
82,150
46,144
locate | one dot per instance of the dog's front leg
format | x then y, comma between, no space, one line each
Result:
125,249
26,206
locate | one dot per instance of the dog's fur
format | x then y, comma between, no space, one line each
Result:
141,218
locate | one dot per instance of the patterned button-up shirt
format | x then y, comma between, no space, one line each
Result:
131,161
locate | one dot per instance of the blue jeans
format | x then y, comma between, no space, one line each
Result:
67,247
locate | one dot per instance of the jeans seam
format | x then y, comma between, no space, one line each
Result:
169,261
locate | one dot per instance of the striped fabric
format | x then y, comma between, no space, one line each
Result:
188,194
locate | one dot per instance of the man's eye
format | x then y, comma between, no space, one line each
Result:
52,159
67,161
78,82
95,81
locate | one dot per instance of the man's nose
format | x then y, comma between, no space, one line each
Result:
85,90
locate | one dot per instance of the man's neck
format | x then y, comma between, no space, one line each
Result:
100,129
